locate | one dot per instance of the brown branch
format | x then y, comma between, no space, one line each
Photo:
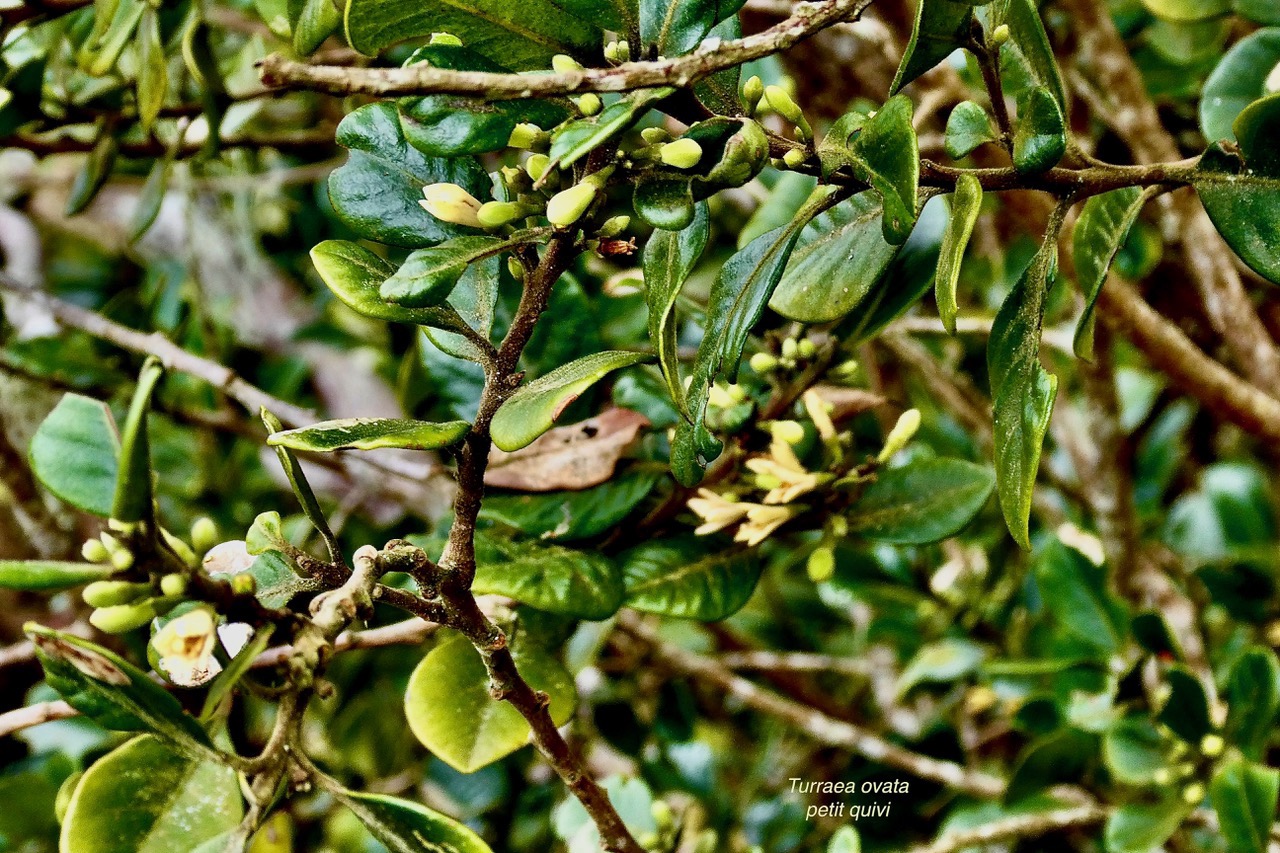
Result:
39,8
680,71
1017,827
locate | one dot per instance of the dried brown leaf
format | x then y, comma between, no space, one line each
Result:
575,456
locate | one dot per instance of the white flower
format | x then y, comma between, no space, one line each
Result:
716,511
451,203
820,414
185,646
761,521
787,477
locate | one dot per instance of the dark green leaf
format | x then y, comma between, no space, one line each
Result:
548,577
941,26
581,137
676,27
222,685
1253,699
1259,11
474,298
42,575
370,434
886,154
673,579
564,516
301,488
1133,751
407,827
1073,592
1040,139
1028,47
313,22
1244,796
1100,231
275,579
966,204
968,127
355,276
922,501
1244,207
150,198
665,201
669,257
428,276
132,501
533,408
152,68
1142,827
93,174
1239,79
1186,712
1256,130
75,454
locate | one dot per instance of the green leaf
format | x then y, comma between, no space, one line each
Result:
452,713
1022,391
428,276
664,201
533,408
671,578
145,797
355,276
1187,10
669,258
1133,751
1244,796
222,685
275,579
966,204
548,577
1142,827
1040,138
1256,128
376,192
1253,700
370,434
845,840
837,260
301,488
93,174
75,454
1244,207
132,500
943,661
521,36
153,69
1028,48
313,22
150,198
1239,79
579,138
921,502
475,299
886,154
565,516
1100,231
113,692
1073,591
408,827
968,127
1259,11
676,27
44,575
941,26
1186,712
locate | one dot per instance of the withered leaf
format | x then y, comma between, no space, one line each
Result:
575,456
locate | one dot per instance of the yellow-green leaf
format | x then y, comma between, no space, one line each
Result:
370,434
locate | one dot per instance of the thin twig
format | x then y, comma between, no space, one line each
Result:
34,715
1017,827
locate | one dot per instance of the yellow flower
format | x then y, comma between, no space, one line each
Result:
761,521
185,646
451,203
784,469
716,511
820,415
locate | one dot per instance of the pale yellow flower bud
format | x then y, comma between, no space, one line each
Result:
681,154
821,564
763,362
536,166
94,551
902,433
589,104
495,214
564,63
793,158
524,135
1212,746
451,203
567,206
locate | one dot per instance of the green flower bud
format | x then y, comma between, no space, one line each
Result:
244,584
451,203
122,560
1193,794
1000,35
903,431
495,214
655,135
790,348
536,166
567,206
614,225
736,393
122,618
1212,746
821,564
180,548
744,155
681,154
173,585
563,63
782,104
752,92
617,51
94,551
447,39
806,348
589,104
113,593
789,431
1162,776
794,158
663,816
763,362
204,534
514,267
524,135
125,527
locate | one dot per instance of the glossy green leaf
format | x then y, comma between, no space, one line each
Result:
941,662
1028,49
428,276
153,69
941,26
1022,390
1100,231
533,408
113,692
113,26
579,138
673,578
968,127
921,502
132,499
1074,593
1259,11
669,258
1133,751
676,27
93,173
275,579
1244,207
966,204
1039,140
452,713
474,298
355,275
787,196
376,192
145,797
1186,712
1239,79
1244,796
549,577
1143,827
1187,10
75,454
886,154
1253,700
665,201
313,22
837,260
1255,129
569,515
521,36
408,827
43,575
301,488
370,434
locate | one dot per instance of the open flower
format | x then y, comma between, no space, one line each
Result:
763,520
451,203
716,511
788,478
185,646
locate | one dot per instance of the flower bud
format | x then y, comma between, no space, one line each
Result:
495,214
794,158
790,348
94,551
1212,745
204,534
113,593
451,203
782,104
563,63
244,584
122,560
589,104
806,348
655,135
1193,794
744,154
617,51
613,226
122,618
789,431
1000,35
903,431
1162,776
446,39
180,549
111,543
763,362
524,135
536,166
125,527
681,154
514,267
821,564
567,206
752,92
173,585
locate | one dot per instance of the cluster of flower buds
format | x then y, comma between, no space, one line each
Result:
792,352
617,51
588,104
780,102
